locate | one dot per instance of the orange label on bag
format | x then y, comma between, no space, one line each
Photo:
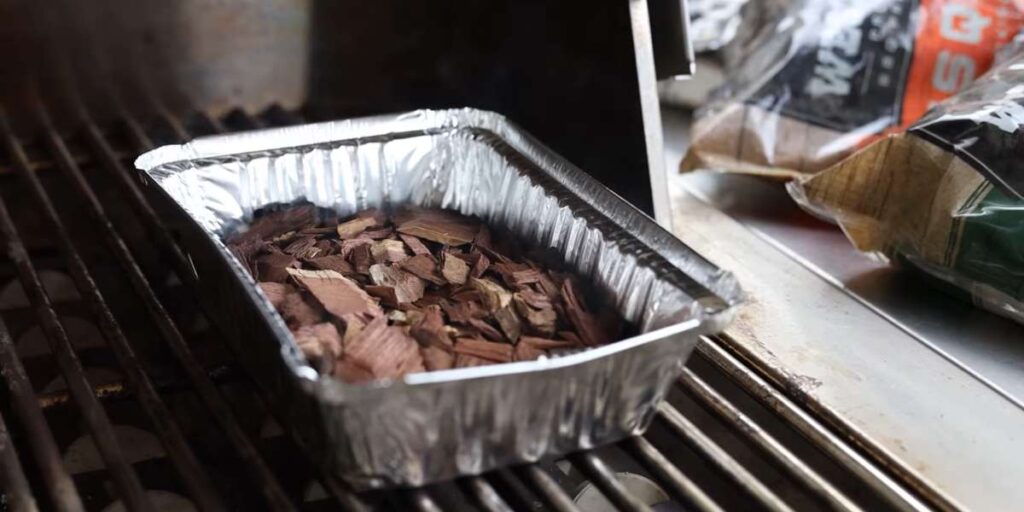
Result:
955,42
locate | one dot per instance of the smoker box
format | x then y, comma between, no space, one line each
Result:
434,426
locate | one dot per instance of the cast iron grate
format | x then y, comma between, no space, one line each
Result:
118,395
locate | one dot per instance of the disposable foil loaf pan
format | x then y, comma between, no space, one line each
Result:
433,426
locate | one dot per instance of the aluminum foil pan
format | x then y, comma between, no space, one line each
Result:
434,426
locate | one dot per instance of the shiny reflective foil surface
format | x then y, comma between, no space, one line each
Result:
439,425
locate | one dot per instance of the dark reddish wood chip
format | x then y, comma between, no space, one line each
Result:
509,323
347,247
335,262
467,361
276,292
387,294
482,237
408,288
534,299
480,265
277,223
486,329
454,269
589,327
527,352
539,320
319,341
423,267
377,234
549,286
467,294
430,330
303,248
362,259
571,337
439,226
497,352
493,294
523,277
457,312
380,351
435,358
547,344
337,294
354,227
247,254
274,267
297,312
415,245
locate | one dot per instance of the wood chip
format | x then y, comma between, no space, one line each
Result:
430,329
534,299
539,320
408,288
438,226
415,245
547,344
319,341
297,312
435,358
362,259
273,224
337,294
335,262
273,266
423,267
380,351
303,248
388,251
509,323
527,352
454,269
494,296
468,361
347,247
276,292
587,325
497,352
480,266
352,228
486,329
377,234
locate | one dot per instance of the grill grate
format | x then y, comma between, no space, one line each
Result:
155,412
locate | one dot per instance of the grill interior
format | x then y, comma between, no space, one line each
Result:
118,394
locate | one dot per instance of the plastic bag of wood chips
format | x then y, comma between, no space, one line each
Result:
947,195
827,77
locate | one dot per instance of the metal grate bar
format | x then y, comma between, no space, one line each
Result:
548,489
598,473
422,501
894,493
13,484
711,452
204,387
62,493
125,479
111,161
670,476
516,491
762,440
193,476
486,496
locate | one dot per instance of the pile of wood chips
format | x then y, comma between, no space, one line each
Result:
376,297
